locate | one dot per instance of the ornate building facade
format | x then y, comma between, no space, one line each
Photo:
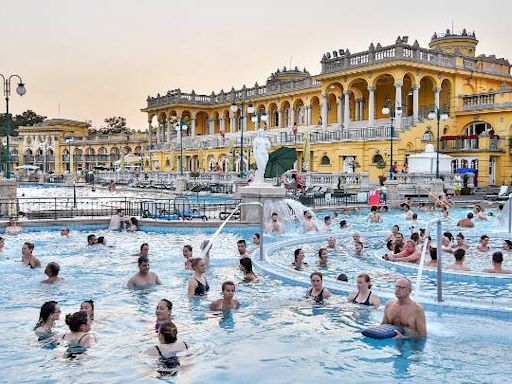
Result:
337,115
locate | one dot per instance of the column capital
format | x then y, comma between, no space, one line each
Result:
437,89
372,88
415,86
346,93
324,95
398,83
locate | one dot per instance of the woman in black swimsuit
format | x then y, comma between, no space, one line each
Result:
78,338
27,258
197,284
363,295
317,292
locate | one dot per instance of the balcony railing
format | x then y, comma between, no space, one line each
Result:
499,99
471,143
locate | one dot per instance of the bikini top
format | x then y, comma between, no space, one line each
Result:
366,302
318,298
201,288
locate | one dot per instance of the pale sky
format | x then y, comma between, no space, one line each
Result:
99,58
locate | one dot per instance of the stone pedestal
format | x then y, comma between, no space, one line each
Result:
258,193
392,196
237,185
8,194
436,189
181,184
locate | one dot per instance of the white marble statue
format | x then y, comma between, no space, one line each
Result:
260,148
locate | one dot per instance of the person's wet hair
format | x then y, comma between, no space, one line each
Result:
342,277
327,218
91,303
389,245
459,254
76,320
448,235
319,274
101,240
143,259
227,284
497,257
460,235
241,242
470,215
366,278
188,246
144,244
509,243
296,253
415,237
247,264
483,237
257,235
90,238
46,310
343,223
433,253
53,269
168,303
320,252
169,332
29,245
195,262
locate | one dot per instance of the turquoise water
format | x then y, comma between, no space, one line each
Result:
276,336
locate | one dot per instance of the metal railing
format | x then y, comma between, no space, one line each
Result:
54,208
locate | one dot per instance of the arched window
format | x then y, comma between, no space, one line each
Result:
477,128
325,160
428,136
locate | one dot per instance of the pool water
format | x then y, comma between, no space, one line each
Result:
121,192
276,336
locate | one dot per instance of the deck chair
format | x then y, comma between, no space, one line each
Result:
502,194
185,211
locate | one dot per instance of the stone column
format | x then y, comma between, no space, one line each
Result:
169,131
357,105
324,110
415,102
340,110
371,105
244,122
437,91
222,124
193,127
279,119
398,104
232,122
291,116
158,133
346,118
149,134
308,115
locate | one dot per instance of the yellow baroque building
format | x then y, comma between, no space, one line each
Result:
338,113
63,146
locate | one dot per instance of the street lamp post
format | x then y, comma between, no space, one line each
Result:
20,90
389,109
250,109
180,128
440,117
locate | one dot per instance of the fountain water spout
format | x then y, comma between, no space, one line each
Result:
439,280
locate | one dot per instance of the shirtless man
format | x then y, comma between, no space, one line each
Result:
405,313
327,224
12,228
466,223
143,277
458,265
275,227
52,271
309,224
227,301
410,254
242,249
331,244
144,250
374,216
484,244
497,260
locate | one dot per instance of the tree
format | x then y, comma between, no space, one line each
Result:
115,124
26,119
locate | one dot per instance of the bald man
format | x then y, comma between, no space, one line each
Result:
405,312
